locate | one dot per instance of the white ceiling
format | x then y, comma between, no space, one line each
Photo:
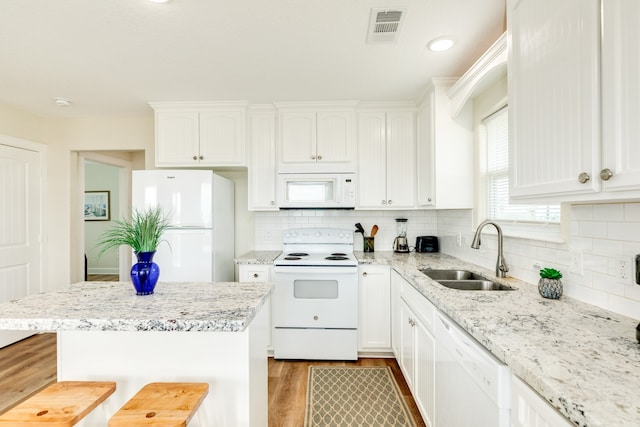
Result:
111,57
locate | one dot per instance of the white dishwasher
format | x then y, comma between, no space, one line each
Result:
472,385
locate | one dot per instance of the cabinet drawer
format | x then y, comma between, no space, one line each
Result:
421,306
254,273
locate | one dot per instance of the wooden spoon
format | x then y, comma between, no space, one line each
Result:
374,230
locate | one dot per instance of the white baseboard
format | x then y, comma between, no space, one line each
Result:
103,270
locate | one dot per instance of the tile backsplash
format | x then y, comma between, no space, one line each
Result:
604,238
270,225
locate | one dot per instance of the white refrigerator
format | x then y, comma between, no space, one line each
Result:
199,244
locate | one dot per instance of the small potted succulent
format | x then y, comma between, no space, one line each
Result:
143,233
550,285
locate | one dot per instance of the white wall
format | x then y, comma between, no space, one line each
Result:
101,177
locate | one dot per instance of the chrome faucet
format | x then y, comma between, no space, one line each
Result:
501,264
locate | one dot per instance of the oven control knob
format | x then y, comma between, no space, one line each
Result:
315,317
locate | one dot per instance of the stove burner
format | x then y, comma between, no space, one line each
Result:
292,258
336,258
338,254
297,254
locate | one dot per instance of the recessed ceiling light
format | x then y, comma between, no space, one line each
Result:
440,44
62,102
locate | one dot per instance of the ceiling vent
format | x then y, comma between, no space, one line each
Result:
385,25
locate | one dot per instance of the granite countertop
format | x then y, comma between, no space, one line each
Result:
583,359
114,306
258,257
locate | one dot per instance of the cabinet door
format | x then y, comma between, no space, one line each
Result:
374,292
554,98
401,160
298,137
621,94
372,160
425,152
406,360
176,138
262,169
222,138
396,284
528,409
335,140
424,386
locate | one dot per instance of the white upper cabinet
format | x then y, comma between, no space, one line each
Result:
200,134
317,137
444,150
262,170
621,95
386,159
571,138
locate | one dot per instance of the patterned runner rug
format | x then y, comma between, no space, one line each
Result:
340,396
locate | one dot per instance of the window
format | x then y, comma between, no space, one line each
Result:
497,177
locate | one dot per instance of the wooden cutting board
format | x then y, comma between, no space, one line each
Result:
62,404
161,404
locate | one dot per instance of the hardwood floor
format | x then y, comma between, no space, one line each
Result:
29,365
26,367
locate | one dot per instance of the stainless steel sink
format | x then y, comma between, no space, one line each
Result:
464,280
452,275
474,285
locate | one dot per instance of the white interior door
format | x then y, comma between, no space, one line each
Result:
20,228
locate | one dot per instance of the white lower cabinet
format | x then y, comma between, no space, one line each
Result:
259,273
374,310
415,350
528,409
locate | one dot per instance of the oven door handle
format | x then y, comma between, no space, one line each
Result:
304,269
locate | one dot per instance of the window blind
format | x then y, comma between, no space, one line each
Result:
498,206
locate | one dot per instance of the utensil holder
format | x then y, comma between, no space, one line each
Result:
369,244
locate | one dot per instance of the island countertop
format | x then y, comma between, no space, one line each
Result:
114,306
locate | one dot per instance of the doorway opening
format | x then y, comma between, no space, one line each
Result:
103,196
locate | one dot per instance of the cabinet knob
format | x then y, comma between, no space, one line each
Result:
384,202
428,199
255,275
313,157
195,157
315,317
389,202
364,274
319,157
583,178
606,174
272,203
201,157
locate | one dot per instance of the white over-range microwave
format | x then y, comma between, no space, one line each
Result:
317,191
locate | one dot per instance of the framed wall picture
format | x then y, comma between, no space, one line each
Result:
97,205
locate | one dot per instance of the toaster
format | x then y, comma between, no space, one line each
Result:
427,244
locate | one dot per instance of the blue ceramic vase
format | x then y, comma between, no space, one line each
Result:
145,273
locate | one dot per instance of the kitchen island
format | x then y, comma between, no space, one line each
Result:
202,332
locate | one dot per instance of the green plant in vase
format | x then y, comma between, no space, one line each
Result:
142,231
550,285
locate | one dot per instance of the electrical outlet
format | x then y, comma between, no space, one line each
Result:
459,240
623,268
576,262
